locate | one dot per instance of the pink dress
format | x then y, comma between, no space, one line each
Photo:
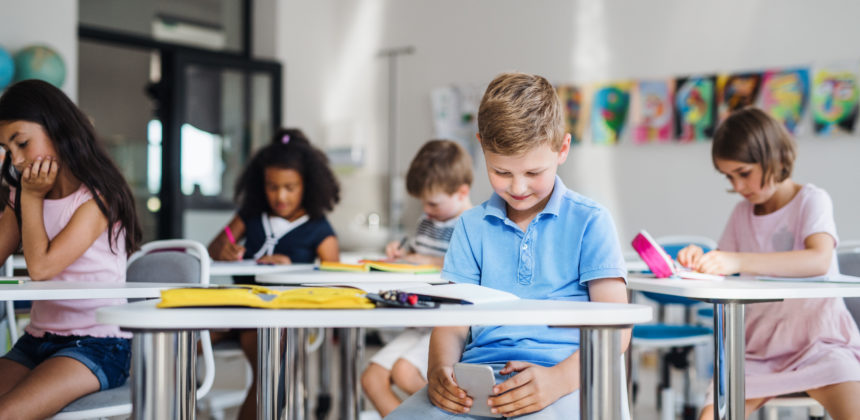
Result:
97,264
796,344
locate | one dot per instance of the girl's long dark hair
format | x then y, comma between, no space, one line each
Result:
290,149
74,139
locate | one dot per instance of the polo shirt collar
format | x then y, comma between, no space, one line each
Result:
496,207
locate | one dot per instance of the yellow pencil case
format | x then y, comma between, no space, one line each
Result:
261,297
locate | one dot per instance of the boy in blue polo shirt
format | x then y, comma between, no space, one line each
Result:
534,238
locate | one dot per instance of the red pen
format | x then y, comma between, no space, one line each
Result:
229,235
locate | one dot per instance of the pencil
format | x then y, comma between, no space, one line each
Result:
11,281
229,234
403,242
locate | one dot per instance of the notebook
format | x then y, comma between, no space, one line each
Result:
656,258
366,266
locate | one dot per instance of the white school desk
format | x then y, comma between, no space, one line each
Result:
352,342
64,290
157,392
250,268
729,297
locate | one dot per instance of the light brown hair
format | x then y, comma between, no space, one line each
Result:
750,135
440,165
519,112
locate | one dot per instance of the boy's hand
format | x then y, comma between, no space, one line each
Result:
444,392
719,262
276,259
393,250
689,256
38,178
530,390
230,252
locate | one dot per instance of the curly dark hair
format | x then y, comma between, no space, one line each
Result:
321,190
76,143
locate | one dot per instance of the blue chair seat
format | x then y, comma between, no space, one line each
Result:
663,335
706,313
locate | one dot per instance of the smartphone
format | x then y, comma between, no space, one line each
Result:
478,381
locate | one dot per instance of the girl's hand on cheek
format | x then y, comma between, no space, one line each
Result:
39,177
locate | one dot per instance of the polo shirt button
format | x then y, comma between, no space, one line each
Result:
525,246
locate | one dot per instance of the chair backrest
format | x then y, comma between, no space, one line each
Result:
170,261
849,263
674,244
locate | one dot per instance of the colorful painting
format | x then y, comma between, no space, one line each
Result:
834,100
784,95
695,108
609,107
651,111
571,99
737,91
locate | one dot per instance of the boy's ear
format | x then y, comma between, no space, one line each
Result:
463,191
565,149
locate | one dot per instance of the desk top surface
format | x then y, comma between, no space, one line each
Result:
65,290
742,288
144,315
251,268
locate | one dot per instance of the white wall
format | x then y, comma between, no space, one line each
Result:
334,80
49,22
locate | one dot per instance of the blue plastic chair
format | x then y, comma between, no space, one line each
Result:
674,342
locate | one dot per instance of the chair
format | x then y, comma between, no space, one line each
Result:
848,255
674,342
7,312
168,261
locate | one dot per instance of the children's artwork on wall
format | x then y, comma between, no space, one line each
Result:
455,114
609,107
784,95
834,99
571,99
651,111
695,108
736,91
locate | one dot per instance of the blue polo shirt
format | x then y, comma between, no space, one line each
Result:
573,240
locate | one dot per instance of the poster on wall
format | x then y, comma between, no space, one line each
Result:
651,111
695,108
571,99
784,95
455,114
736,91
834,99
609,105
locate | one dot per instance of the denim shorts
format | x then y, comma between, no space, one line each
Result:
108,358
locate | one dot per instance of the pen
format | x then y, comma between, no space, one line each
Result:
229,235
403,242
441,299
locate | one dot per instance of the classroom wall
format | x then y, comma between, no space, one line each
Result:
25,23
336,84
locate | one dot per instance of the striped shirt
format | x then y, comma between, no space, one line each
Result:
432,236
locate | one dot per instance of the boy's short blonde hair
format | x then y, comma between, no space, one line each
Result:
440,165
750,135
518,112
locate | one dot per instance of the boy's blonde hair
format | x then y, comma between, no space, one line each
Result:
440,165
750,135
518,112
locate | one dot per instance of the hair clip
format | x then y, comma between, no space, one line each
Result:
285,139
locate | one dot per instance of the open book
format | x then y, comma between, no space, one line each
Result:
366,266
661,264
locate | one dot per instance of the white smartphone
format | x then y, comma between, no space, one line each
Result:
478,381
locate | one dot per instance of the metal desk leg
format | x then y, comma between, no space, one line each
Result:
295,371
730,346
600,383
351,349
163,385
268,369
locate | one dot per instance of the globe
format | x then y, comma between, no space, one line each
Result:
40,62
7,68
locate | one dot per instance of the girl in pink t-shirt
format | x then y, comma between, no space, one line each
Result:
72,214
782,229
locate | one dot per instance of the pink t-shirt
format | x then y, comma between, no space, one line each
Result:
98,264
796,344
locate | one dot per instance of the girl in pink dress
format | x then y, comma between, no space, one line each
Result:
782,229
72,213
